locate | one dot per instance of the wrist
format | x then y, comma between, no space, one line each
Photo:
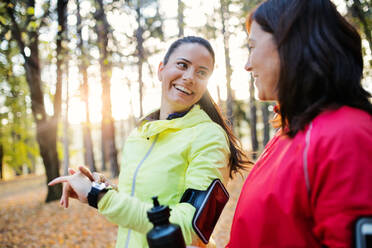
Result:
96,193
100,195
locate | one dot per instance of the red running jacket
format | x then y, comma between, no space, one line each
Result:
307,191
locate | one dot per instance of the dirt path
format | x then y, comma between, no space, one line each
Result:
26,221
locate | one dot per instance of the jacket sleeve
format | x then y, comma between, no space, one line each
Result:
125,210
341,183
208,158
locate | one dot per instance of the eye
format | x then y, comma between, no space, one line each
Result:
202,74
182,65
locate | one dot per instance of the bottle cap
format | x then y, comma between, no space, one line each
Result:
158,213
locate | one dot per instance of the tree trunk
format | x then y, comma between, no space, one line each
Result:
108,129
1,160
219,101
61,52
132,117
47,139
66,157
181,7
88,147
140,54
61,67
265,119
33,163
253,119
87,136
46,128
229,101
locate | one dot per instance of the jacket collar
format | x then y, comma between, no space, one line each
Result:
149,127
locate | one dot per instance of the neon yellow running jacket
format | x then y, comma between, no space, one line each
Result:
164,158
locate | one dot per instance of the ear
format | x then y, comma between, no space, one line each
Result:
160,69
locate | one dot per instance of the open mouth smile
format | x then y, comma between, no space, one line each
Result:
183,89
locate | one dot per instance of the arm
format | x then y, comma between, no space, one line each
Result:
341,183
208,159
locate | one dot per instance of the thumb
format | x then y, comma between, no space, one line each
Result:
85,171
71,171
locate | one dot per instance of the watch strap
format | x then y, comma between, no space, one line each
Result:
93,196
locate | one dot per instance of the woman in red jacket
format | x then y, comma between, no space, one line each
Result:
314,178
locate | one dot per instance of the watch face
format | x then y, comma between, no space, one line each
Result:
98,186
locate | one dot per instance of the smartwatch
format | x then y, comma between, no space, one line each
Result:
94,192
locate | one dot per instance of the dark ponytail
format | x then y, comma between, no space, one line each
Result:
238,159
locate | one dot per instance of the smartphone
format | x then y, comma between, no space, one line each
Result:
207,215
209,204
363,232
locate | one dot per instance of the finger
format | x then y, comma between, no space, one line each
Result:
86,172
70,192
73,194
65,194
96,177
71,171
58,180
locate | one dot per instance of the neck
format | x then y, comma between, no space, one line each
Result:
165,111
164,114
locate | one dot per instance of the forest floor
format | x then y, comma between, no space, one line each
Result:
27,221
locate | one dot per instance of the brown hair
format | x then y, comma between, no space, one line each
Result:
321,60
238,159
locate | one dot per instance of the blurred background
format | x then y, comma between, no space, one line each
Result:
76,75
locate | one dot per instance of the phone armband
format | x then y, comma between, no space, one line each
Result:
209,204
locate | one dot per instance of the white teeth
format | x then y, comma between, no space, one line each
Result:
183,89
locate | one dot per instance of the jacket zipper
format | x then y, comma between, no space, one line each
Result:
134,180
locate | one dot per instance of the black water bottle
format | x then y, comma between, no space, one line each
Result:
164,234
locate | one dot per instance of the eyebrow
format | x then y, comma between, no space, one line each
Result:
188,61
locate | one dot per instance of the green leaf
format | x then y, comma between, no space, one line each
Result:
24,36
32,26
30,10
2,20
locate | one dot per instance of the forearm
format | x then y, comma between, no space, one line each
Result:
125,211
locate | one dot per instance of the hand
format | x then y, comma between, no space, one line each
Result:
68,191
77,185
95,176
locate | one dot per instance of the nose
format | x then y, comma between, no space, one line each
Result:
188,75
248,65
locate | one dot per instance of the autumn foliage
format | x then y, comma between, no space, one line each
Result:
27,221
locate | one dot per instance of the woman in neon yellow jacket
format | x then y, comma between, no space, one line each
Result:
185,144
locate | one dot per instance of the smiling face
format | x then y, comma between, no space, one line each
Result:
184,78
263,62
